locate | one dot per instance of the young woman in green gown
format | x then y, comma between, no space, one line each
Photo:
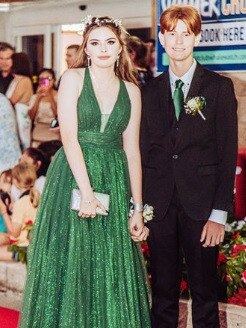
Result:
85,270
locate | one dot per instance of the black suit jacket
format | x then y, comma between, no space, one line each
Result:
195,155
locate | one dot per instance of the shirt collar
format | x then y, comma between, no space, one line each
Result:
186,78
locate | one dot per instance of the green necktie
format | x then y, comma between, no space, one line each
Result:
178,97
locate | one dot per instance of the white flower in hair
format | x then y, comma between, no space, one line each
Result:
84,23
99,22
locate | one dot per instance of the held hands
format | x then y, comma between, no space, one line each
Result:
212,234
88,208
137,228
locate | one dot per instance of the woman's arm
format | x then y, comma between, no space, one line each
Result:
131,147
131,143
14,229
68,94
34,106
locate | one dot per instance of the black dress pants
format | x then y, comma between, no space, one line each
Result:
170,237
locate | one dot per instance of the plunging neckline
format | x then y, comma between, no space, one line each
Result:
97,103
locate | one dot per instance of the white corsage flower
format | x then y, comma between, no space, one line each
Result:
148,211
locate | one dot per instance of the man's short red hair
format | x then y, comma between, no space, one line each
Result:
188,14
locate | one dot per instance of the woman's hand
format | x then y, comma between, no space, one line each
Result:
137,228
41,91
88,208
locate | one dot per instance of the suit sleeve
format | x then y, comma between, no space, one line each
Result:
227,141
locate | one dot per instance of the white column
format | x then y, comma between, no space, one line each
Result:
57,50
18,43
47,46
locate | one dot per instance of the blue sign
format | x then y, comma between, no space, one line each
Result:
223,36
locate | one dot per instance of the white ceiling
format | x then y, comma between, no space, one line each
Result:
15,4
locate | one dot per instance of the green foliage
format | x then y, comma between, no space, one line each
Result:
21,251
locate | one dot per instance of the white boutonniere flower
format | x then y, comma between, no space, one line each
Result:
195,105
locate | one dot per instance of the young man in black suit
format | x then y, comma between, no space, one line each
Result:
189,151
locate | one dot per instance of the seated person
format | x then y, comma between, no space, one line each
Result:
39,160
5,188
24,210
6,181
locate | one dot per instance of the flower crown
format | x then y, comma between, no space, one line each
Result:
87,21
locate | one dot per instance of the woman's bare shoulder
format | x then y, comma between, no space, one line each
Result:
22,78
72,80
72,73
72,77
132,89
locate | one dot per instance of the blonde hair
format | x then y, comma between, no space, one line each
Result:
124,69
188,14
34,197
25,175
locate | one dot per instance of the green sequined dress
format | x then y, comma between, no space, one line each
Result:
87,273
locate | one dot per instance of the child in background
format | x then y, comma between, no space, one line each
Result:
5,187
24,209
6,181
40,161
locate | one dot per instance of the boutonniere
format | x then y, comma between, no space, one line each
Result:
195,105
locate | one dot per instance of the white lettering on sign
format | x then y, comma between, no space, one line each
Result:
223,34
207,8
233,7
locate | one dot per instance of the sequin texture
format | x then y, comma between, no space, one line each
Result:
87,273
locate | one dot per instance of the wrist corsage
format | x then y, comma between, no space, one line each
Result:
195,105
148,211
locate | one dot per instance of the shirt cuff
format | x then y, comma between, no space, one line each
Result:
218,216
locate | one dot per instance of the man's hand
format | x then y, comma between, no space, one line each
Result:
212,234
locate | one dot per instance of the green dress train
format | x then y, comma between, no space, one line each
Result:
87,273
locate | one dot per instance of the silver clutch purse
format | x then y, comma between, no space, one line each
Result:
76,199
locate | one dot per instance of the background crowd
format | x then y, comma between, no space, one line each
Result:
29,134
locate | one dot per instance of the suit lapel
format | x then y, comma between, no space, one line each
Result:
185,120
164,96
